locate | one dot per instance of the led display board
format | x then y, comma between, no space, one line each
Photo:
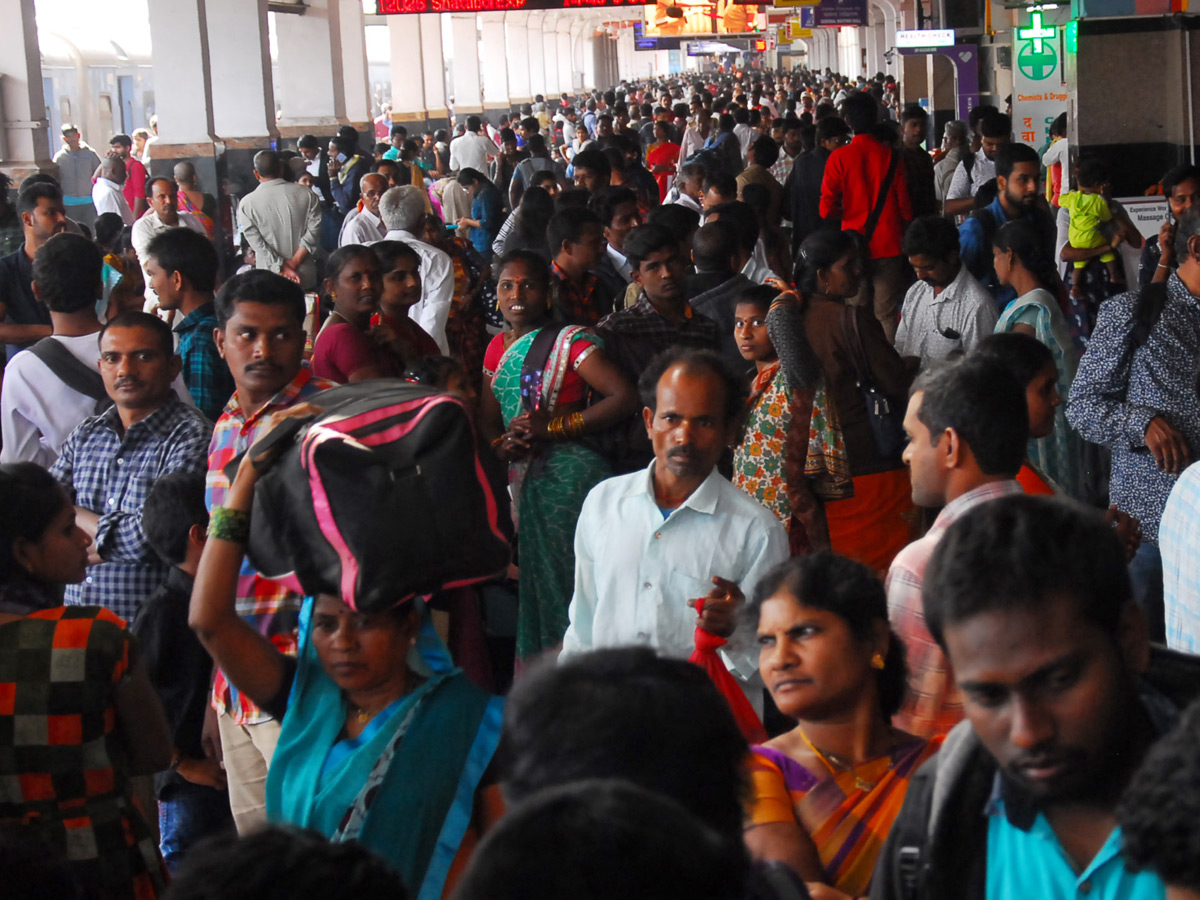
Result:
410,7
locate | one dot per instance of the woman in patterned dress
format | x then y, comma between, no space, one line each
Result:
791,457
535,411
78,715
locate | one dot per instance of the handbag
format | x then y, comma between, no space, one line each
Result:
887,421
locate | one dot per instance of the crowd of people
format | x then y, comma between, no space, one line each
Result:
855,529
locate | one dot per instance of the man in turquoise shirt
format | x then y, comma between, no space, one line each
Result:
1030,600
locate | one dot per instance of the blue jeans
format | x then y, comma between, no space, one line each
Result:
1146,573
188,813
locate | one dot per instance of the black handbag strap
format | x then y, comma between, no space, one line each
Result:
858,353
873,218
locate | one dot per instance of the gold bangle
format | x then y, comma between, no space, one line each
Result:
577,424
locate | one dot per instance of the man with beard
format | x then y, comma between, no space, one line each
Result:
1063,695
947,311
657,547
260,334
23,319
1018,168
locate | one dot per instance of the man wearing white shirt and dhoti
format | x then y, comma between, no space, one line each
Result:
654,548
363,226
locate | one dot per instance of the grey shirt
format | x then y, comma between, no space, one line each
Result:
278,218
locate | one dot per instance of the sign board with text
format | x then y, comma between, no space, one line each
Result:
926,37
1039,89
836,13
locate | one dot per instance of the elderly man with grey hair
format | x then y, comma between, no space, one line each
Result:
956,145
401,209
363,226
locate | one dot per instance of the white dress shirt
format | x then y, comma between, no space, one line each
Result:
437,287
471,151
620,263
635,571
38,411
982,172
108,198
361,227
965,307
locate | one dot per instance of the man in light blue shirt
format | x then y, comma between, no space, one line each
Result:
651,545
1179,544
1030,599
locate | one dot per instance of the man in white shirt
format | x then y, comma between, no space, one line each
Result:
996,130
947,310
472,150
364,226
107,195
401,209
163,214
39,408
570,134
282,222
651,545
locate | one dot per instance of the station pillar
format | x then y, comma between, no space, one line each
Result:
516,47
464,37
25,143
311,82
433,64
407,73
494,65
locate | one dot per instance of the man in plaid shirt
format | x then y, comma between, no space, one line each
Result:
967,426
110,461
260,320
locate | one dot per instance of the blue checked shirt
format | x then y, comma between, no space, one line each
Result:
111,473
1179,542
204,372
1114,396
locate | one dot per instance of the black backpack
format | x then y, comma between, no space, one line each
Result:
379,498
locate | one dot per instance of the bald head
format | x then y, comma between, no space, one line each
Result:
373,186
113,168
185,173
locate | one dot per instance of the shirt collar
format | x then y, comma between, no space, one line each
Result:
284,398
158,422
951,291
196,318
959,505
703,499
179,581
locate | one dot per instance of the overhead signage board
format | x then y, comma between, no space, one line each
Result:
838,13
411,7
926,37
1039,88
701,17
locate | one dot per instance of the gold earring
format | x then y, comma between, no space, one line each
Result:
877,661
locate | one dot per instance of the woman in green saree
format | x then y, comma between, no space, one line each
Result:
535,411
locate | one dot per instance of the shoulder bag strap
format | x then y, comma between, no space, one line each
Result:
873,218
69,370
858,355
535,361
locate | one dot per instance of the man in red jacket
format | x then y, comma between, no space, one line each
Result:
856,177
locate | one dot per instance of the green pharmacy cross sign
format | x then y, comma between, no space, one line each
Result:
1037,57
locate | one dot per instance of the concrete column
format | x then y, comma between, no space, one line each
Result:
516,48
588,49
433,66
356,84
464,33
24,140
494,64
566,56
243,93
408,74
311,82
182,84
550,85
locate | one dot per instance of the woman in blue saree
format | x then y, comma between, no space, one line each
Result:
382,740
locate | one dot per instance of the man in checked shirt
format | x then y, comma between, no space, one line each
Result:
260,333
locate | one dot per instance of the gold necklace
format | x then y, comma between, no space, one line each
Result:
832,758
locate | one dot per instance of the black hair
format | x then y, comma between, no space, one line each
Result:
861,112
725,122
831,127
984,403
308,142
647,239
259,286
530,123
536,145
850,591
107,229
30,498
1159,812
534,262
1012,155
68,271
676,218
594,160
433,371
1058,128
933,236
187,252
1021,552
469,176
343,256
914,111
30,194
346,145
135,318
268,164
820,250
743,218
722,182
1091,172
531,223
398,131
627,713
604,202
760,296
995,124
283,863
388,253
150,182
1023,238
765,150
568,225
714,246
976,115
123,139
756,198
1022,354
603,839
694,362
1178,176
175,503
